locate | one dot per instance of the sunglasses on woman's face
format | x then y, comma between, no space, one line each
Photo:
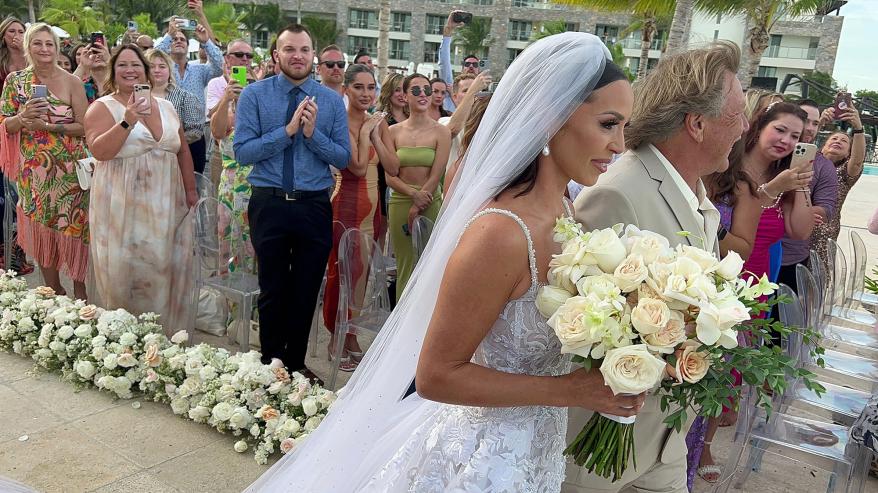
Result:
338,64
416,90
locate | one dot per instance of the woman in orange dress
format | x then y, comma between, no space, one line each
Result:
355,203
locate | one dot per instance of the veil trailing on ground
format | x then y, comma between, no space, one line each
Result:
370,420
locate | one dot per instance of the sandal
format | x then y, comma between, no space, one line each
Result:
346,364
703,471
356,356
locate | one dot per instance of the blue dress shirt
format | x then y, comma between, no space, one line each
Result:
197,75
445,72
261,137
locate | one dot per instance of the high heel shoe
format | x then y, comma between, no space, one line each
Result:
356,356
346,364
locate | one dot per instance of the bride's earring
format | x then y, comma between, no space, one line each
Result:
546,150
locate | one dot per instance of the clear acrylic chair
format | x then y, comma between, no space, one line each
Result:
337,226
422,229
838,404
858,274
822,449
841,288
220,264
205,186
363,301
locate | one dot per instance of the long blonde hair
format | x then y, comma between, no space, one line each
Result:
388,86
5,55
32,31
684,83
759,99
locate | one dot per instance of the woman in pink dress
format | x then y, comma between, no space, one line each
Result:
765,200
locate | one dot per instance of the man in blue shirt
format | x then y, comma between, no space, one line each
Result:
291,143
470,62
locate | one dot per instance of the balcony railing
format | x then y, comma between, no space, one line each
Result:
637,43
468,2
793,53
520,34
536,4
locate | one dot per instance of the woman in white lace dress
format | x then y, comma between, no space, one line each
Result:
493,388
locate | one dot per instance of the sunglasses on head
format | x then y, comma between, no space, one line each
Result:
242,54
416,90
338,64
470,64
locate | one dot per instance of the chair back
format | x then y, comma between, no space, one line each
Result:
858,269
808,297
422,229
818,270
838,273
359,255
791,315
204,186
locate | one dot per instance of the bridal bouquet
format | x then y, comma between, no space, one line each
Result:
649,316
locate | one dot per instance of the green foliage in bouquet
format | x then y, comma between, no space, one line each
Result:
761,364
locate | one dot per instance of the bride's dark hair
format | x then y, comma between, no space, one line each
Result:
527,178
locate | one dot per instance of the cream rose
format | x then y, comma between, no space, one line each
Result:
126,360
579,325
707,261
607,249
312,423
153,356
240,418
730,266
692,365
650,315
180,337
84,369
88,312
602,286
286,445
44,291
221,412
127,339
666,339
240,446
309,406
631,273
651,246
550,298
631,369
570,265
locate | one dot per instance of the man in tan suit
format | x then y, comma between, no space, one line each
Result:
688,112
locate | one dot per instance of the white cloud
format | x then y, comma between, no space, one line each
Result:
854,66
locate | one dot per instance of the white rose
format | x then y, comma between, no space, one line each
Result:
255,430
84,369
651,246
180,405
713,327
312,423
310,406
199,413
221,412
730,266
579,325
291,427
110,361
603,286
702,287
692,365
570,265
240,418
99,341
666,339
99,353
58,346
275,387
650,315
84,331
151,376
240,446
126,360
207,373
707,261
550,298
65,332
180,337
631,273
607,248
286,445
127,339
631,369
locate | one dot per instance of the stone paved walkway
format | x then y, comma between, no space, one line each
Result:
86,441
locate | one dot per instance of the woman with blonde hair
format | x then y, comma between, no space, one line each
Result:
392,99
41,126
758,100
165,86
12,57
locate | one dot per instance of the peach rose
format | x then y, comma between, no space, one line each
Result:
88,312
281,375
153,357
44,291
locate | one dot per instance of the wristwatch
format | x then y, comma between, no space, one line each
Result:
858,131
721,233
125,124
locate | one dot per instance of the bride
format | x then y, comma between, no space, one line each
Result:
493,388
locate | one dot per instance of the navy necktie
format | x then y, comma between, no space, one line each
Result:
289,152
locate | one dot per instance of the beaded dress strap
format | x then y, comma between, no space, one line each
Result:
567,207
531,253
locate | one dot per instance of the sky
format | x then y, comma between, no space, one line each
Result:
855,61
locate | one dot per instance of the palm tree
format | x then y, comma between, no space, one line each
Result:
72,16
680,26
224,20
323,31
471,37
383,37
122,11
268,17
647,13
549,28
761,16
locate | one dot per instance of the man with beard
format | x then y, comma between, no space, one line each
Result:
290,213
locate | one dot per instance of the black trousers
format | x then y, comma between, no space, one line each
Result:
292,240
198,149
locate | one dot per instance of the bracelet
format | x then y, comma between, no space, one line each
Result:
776,198
858,131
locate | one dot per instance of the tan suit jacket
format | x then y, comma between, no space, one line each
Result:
638,190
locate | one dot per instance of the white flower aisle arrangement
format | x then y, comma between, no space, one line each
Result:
653,318
113,350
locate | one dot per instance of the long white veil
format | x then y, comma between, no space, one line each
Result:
370,420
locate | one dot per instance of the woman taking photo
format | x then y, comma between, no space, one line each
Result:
41,115
422,146
355,204
184,102
143,190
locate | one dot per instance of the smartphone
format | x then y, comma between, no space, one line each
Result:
39,92
484,64
461,16
132,26
143,91
239,75
803,157
97,37
186,24
842,102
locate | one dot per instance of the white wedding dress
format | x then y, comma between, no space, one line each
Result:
488,449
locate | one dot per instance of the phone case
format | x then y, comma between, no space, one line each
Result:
143,93
40,91
803,157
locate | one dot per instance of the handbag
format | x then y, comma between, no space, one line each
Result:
85,168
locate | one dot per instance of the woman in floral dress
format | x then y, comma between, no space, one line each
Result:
46,133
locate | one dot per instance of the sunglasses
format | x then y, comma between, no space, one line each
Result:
416,90
242,54
470,64
338,64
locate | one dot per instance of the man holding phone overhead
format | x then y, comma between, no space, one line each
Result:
456,18
291,130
